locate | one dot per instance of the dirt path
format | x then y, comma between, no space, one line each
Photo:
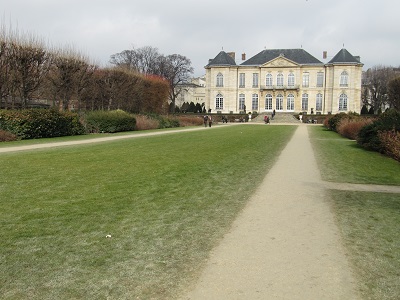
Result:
284,245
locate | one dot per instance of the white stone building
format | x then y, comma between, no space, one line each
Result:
284,80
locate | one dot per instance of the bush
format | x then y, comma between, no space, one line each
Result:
109,121
6,136
40,123
350,127
190,121
368,136
332,122
146,123
390,141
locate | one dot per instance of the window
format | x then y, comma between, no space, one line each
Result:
279,102
343,102
268,102
318,102
344,79
241,101
290,102
254,102
219,102
320,79
255,80
241,80
290,80
220,80
306,79
268,80
279,79
304,102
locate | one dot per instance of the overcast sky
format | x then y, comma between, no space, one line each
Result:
199,30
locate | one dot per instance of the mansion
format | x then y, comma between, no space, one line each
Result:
284,80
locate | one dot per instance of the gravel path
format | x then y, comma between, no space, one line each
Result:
284,245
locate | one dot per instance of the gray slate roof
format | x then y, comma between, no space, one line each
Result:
344,56
299,56
222,59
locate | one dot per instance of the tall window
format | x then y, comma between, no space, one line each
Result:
254,102
219,102
306,79
320,79
279,79
304,102
318,102
241,101
290,79
344,79
290,102
220,80
279,102
241,80
255,79
268,102
343,102
268,80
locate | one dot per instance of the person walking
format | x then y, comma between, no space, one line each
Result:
205,119
209,121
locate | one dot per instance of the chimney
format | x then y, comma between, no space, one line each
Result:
231,54
324,54
243,56
358,58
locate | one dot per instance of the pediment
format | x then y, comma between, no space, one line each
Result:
280,61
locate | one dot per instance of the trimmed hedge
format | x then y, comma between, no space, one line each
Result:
40,123
109,121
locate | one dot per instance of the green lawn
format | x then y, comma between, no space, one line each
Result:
165,201
369,222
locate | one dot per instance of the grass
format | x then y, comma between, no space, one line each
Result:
342,160
369,222
165,200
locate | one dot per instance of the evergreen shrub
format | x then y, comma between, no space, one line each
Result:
368,136
40,123
109,121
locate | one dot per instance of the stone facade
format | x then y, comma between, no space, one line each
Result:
284,80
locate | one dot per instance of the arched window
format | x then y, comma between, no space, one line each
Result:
241,101
290,102
291,79
268,80
268,102
279,102
343,102
220,80
254,102
304,102
318,102
344,79
219,102
279,79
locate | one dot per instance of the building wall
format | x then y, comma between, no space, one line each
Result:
331,89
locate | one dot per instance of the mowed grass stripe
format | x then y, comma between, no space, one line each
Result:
368,222
165,200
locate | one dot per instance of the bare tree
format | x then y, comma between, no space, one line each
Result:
142,60
376,82
394,93
4,67
177,70
30,63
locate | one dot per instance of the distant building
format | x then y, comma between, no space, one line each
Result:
284,80
193,91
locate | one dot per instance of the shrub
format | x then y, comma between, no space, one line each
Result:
350,127
190,121
333,121
145,123
368,136
390,141
109,121
40,123
6,136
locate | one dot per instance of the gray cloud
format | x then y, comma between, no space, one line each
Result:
200,29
